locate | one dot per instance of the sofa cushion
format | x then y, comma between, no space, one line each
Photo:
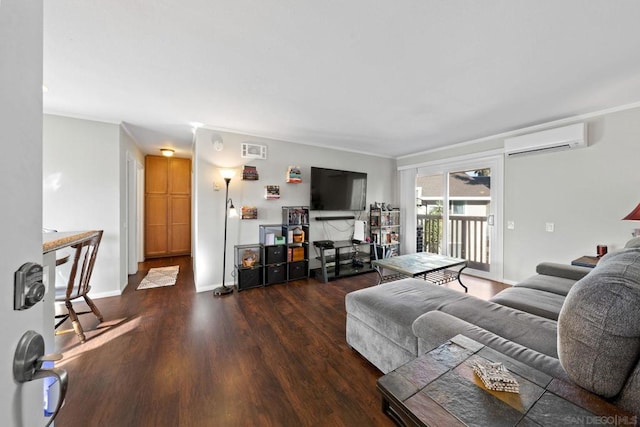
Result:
599,325
552,284
391,308
528,330
534,301
566,271
435,327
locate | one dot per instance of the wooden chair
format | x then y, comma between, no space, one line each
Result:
84,257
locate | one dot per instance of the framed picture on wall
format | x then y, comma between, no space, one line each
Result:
253,151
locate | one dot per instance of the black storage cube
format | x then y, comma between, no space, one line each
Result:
249,278
276,274
297,270
275,254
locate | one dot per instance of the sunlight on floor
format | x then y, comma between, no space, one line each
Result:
105,332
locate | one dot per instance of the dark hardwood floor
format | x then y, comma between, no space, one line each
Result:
273,356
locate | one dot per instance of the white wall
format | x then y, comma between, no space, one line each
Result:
584,192
128,148
209,204
82,190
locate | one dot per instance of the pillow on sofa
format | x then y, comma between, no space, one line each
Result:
599,324
633,243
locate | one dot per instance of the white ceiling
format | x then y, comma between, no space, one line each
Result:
383,77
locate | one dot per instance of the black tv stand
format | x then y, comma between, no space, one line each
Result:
345,258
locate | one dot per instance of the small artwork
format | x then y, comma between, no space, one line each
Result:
249,212
253,151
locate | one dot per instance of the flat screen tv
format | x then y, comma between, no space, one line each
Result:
338,190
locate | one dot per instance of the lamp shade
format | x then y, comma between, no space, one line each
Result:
227,173
634,215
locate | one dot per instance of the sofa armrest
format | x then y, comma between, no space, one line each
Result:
573,272
435,327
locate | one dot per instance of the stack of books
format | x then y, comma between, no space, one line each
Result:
271,192
294,175
250,173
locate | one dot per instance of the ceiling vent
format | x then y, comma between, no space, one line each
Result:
572,136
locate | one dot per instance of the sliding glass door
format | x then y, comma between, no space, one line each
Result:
457,213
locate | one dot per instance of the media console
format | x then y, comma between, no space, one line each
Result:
345,258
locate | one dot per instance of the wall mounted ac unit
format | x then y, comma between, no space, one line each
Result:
572,136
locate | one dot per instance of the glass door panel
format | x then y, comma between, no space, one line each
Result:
430,220
469,210
456,213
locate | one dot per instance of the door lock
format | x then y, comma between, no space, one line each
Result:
28,286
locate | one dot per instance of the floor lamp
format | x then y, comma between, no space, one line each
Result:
228,206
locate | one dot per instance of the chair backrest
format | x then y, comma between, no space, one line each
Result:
84,258
380,249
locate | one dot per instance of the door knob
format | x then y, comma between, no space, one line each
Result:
27,365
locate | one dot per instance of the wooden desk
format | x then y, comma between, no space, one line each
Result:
59,240
441,389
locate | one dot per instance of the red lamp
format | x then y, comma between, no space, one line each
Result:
634,215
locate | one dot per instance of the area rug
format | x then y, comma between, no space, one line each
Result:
159,277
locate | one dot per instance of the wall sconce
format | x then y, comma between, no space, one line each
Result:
167,152
233,213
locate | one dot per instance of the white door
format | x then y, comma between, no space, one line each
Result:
21,195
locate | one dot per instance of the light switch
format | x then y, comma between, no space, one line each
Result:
549,226
511,225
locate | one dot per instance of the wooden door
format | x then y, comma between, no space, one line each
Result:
179,227
167,206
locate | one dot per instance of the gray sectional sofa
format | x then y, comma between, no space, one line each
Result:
574,323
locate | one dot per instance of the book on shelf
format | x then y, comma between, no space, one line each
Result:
295,215
249,173
271,192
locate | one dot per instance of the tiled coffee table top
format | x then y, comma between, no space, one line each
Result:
440,388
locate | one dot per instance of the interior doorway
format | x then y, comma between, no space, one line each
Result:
134,223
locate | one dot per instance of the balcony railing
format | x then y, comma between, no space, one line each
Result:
469,238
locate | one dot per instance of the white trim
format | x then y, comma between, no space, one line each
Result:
108,294
140,211
479,156
534,128
207,288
